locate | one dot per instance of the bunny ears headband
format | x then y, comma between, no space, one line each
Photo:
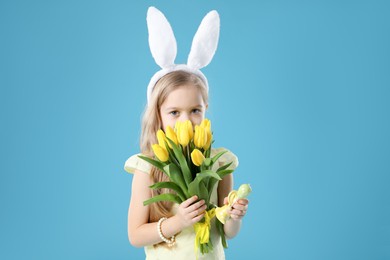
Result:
162,44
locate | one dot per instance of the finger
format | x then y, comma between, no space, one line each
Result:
189,201
197,212
195,206
236,217
225,201
240,206
237,212
198,218
243,201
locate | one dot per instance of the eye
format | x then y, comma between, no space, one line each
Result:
174,113
196,111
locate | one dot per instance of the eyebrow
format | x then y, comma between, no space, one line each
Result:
176,108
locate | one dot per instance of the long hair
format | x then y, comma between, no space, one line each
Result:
151,123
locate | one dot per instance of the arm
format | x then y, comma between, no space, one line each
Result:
140,232
233,224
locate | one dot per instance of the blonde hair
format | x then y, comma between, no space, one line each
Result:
151,123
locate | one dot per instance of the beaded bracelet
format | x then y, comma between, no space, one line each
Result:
171,241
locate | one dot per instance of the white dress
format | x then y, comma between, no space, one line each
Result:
185,240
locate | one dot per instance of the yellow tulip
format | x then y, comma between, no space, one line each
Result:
171,135
177,125
200,137
161,138
209,138
183,133
189,129
206,123
160,152
197,157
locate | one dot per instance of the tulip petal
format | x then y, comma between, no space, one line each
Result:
160,152
163,197
161,138
170,133
197,157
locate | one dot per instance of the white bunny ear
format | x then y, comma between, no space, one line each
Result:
162,41
205,41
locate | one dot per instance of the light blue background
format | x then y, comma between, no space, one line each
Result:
299,90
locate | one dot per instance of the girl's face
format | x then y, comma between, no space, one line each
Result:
184,103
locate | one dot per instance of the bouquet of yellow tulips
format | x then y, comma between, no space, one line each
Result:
183,154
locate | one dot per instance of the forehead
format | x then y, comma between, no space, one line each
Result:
184,96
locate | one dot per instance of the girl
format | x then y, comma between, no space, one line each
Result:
164,229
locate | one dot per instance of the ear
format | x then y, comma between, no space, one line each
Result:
205,41
162,41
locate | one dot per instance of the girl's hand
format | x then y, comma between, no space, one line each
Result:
239,208
190,212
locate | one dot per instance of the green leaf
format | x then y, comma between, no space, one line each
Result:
216,157
224,167
210,186
207,174
171,153
207,152
212,182
182,161
191,145
153,162
170,185
211,245
207,162
194,188
203,192
163,197
221,232
176,176
223,173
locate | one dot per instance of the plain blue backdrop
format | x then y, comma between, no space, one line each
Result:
299,91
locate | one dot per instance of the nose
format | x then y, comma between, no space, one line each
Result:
184,117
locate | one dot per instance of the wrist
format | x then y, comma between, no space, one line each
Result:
170,241
234,221
179,224
232,227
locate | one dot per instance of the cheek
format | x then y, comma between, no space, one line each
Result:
197,119
163,121
167,121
